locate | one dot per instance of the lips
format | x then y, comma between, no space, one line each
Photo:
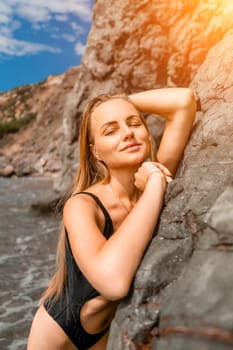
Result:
130,145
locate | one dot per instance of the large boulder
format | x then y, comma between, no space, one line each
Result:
141,44
182,294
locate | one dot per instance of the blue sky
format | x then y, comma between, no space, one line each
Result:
41,37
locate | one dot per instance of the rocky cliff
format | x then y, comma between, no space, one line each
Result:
182,294
31,126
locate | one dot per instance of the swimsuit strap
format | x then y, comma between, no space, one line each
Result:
104,210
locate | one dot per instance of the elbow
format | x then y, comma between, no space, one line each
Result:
189,100
116,290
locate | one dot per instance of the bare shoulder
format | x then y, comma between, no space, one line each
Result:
79,204
82,209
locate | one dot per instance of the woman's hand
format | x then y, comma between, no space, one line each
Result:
165,171
149,170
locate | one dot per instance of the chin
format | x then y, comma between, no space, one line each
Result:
142,158
139,160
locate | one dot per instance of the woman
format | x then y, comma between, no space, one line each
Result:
110,217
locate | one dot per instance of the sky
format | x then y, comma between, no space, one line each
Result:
39,38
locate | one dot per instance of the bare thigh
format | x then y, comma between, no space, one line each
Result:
46,334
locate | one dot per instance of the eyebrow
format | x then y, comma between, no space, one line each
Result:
113,122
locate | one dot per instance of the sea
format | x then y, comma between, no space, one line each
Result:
28,242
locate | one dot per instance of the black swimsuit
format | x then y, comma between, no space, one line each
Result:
77,291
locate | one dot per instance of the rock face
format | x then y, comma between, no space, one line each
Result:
138,45
36,148
143,43
182,294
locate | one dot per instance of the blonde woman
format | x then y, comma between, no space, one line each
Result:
109,219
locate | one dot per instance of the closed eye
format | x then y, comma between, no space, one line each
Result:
134,121
110,131
135,124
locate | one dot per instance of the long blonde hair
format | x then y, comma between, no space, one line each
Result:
90,172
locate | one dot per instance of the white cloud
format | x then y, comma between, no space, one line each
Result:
39,13
15,47
5,8
33,13
4,18
41,10
7,29
77,28
79,48
61,18
38,26
68,37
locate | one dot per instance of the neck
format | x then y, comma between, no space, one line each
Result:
123,184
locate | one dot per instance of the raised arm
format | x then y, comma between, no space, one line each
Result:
178,107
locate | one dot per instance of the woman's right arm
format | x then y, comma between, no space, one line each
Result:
110,265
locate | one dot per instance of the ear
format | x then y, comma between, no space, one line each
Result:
94,151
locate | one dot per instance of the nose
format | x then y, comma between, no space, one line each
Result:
127,132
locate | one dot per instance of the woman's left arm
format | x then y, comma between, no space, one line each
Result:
178,107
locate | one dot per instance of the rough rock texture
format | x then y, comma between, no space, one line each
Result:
37,147
182,294
144,43
141,44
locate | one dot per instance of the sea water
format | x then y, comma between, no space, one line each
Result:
27,256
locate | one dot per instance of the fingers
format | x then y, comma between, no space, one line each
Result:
163,169
149,169
155,166
169,179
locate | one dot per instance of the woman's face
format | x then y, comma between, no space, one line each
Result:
120,139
